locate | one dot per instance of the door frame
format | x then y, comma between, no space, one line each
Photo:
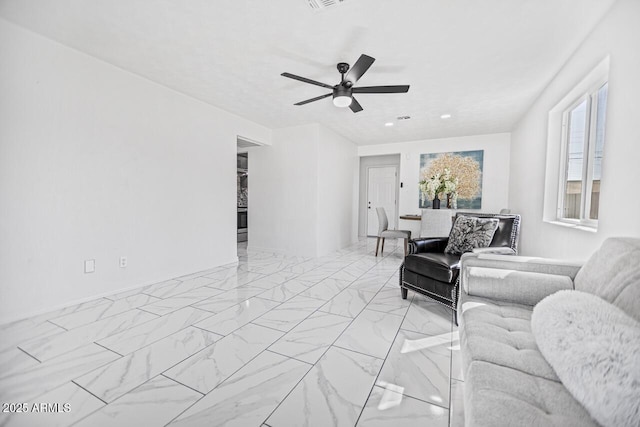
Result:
366,193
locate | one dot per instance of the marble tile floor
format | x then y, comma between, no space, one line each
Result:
270,341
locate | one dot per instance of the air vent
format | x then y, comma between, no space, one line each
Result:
323,4
404,117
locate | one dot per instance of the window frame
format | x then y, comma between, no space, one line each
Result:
558,137
591,121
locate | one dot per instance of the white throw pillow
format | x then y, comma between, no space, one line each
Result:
594,348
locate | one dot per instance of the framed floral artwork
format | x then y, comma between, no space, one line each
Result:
460,170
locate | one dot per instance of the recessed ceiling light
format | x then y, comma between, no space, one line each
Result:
445,116
388,124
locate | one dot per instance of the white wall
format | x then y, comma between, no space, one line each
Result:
495,179
302,192
98,163
337,166
617,35
283,192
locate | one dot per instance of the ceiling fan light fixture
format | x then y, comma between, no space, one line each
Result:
342,96
342,101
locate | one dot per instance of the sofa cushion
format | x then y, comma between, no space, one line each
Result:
613,274
438,266
500,333
499,396
470,232
594,347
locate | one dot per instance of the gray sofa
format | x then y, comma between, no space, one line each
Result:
507,381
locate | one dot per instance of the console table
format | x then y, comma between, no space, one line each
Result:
410,217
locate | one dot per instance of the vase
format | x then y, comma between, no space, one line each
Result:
449,200
435,204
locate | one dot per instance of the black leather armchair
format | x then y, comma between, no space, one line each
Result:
433,273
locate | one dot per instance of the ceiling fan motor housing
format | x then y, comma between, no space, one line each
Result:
342,96
341,90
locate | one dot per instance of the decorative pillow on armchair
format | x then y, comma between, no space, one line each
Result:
470,232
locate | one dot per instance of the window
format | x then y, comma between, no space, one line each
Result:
583,128
575,144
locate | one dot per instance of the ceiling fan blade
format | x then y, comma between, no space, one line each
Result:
355,105
381,89
313,99
359,68
306,80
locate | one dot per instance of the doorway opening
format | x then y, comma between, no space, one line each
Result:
243,196
244,146
379,187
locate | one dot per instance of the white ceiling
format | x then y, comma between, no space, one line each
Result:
483,62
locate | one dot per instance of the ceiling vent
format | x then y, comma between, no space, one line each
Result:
323,4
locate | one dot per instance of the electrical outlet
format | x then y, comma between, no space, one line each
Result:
90,266
123,262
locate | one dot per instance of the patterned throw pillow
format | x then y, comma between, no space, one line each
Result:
469,233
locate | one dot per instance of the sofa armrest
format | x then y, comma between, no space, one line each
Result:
521,287
521,263
428,244
499,250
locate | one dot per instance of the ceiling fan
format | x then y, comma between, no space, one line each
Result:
343,92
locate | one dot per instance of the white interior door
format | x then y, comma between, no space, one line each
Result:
381,191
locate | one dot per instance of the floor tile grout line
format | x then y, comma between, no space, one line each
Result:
416,398
314,364
107,336
268,327
310,314
234,306
102,318
28,354
55,324
170,367
91,393
94,368
290,357
317,360
384,362
450,373
211,345
156,341
205,330
336,314
107,348
115,400
223,381
356,351
291,390
162,374
176,296
107,301
355,256
413,397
